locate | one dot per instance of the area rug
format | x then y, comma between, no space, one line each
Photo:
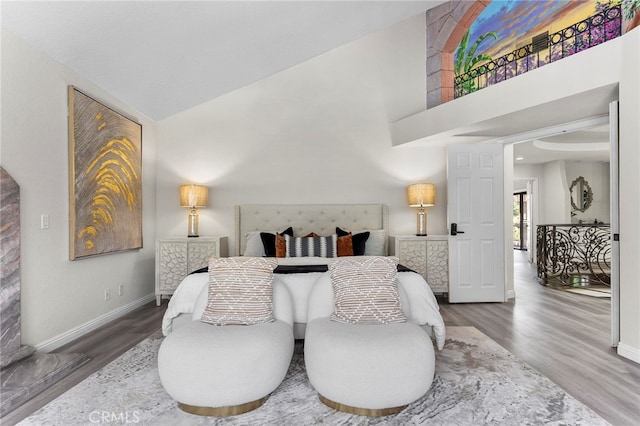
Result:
477,382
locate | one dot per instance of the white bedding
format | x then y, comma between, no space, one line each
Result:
423,307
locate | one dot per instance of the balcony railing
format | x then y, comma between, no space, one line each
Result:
544,49
574,255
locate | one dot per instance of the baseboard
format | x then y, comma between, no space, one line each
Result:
629,352
511,294
68,336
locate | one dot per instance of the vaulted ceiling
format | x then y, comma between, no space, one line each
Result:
162,57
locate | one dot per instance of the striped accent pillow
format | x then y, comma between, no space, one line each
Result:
311,246
240,291
366,290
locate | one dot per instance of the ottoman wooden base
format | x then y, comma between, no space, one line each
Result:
361,411
232,410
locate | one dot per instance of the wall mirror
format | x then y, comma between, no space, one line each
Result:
581,194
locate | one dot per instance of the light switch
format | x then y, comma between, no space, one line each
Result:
44,221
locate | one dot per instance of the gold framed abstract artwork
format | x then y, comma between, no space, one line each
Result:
105,179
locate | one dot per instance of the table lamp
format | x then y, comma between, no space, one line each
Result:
421,195
193,197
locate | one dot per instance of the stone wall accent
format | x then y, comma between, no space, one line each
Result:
10,347
23,374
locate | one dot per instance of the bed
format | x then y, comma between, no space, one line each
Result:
299,274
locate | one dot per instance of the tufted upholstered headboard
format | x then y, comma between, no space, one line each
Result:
305,218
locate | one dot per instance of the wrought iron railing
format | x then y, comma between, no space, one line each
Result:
574,255
545,48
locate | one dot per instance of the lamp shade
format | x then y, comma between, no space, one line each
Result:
421,194
193,196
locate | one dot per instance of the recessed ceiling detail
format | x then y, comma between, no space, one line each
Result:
571,147
590,144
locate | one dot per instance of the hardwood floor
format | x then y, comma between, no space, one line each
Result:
564,336
103,345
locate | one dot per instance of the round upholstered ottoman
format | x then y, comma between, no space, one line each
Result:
372,370
224,370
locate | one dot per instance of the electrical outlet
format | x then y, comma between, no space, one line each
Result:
107,294
120,289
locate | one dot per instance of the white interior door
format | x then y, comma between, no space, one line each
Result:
475,200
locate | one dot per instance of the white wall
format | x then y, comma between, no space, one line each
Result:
597,176
58,295
554,193
315,133
553,198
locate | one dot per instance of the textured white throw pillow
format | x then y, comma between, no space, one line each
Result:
366,290
240,291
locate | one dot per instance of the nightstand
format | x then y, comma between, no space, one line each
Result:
178,257
428,256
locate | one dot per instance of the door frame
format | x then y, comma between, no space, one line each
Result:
614,220
611,119
521,197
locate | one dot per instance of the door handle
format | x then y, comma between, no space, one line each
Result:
454,229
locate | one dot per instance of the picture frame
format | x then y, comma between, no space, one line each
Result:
105,178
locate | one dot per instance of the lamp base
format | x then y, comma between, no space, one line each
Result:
422,223
193,224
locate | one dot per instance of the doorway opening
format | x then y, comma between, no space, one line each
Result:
588,149
520,221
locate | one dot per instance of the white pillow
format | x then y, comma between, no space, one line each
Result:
253,244
375,245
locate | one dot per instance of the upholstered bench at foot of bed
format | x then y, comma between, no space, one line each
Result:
224,370
372,370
